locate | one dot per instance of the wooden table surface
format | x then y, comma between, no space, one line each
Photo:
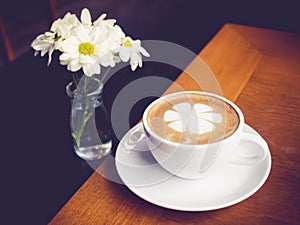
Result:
259,69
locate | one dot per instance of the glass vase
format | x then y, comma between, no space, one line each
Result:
90,124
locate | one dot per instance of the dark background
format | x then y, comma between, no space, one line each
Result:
39,170
190,23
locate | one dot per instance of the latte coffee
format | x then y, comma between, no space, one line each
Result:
192,118
194,134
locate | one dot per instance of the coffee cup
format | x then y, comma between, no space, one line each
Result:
195,134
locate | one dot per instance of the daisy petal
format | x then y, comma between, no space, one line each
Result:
82,33
85,59
134,61
133,65
43,52
135,56
124,55
50,56
70,46
86,17
143,51
74,65
64,56
140,62
107,60
135,43
91,69
102,17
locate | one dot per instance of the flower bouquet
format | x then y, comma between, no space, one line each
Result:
89,46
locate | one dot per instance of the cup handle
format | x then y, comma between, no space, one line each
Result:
135,135
251,149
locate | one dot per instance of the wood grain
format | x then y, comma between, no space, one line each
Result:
224,76
259,69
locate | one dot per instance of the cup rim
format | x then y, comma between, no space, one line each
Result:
175,144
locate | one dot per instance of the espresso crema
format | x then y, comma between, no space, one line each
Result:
192,118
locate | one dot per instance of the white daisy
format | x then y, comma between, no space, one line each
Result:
44,43
101,20
63,27
87,45
86,20
86,49
114,35
51,40
132,50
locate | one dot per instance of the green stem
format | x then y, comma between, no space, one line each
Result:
81,123
74,79
85,83
78,132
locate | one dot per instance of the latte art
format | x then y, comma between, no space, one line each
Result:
192,118
198,119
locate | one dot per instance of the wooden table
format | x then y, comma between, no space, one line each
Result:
259,69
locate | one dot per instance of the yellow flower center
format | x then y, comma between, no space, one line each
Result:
127,43
86,48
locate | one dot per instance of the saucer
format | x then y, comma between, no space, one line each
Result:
147,179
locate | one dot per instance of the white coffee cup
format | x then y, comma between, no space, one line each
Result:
196,161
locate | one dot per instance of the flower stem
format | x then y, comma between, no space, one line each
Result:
105,75
86,81
77,134
74,79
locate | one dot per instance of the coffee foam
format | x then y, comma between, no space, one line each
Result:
192,118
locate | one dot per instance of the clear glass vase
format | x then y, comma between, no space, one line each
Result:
90,124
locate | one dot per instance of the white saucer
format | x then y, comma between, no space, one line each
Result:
143,176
